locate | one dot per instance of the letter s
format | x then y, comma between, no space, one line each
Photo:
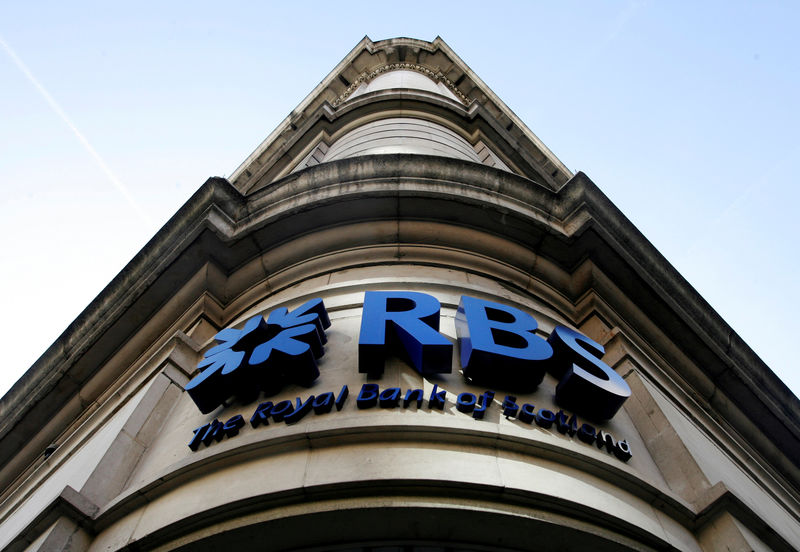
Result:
587,385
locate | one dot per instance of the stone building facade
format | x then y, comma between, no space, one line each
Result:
401,178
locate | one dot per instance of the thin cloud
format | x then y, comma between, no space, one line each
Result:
121,188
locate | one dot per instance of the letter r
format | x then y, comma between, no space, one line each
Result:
404,323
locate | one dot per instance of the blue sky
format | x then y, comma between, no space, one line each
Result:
684,114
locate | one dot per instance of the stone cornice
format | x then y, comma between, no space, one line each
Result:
366,77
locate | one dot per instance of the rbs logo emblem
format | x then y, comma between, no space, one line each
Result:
497,345
263,356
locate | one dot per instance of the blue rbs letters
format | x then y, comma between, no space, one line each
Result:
583,377
497,343
498,348
406,324
262,356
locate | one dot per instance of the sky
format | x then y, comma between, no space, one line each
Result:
683,113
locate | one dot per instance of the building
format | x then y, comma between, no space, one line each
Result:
402,181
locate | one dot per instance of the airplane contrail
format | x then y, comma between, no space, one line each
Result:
121,188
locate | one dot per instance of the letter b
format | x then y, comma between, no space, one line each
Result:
498,346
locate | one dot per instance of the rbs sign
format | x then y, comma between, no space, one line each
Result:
498,348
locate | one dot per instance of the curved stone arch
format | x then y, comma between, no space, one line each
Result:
529,481
405,79
401,135
368,76
417,525
452,120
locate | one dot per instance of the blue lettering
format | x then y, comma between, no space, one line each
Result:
586,385
437,398
483,402
526,413
262,414
232,426
403,323
342,397
510,406
545,418
498,346
323,403
389,397
368,396
465,402
281,410
413,395
299,413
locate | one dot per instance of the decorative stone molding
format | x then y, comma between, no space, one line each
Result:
366,77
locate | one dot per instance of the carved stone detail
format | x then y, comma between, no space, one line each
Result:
366,77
